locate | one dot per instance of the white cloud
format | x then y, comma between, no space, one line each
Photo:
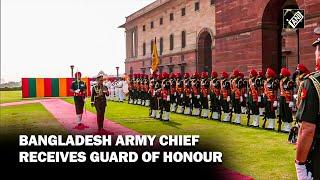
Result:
42,38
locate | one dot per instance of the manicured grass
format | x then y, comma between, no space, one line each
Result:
27,119
255,152
10,96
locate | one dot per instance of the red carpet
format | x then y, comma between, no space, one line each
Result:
65,113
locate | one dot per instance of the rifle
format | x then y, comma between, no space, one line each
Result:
265,120
231,110
279,122
248,107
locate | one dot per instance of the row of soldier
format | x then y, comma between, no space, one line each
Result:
209,97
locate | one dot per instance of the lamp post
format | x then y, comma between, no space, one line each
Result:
72,67
117,72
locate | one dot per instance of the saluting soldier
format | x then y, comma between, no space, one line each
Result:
286,99
79,89
215,106
271,103
225,92
308,147
99,101
253,96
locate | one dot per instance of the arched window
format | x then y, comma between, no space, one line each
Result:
171,42
161,46
183,39
144,49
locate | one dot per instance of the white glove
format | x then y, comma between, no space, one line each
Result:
198,96
291,104
259,98
168,98
295,96
302,173
175,94
219,97
241,98
77,91
246,95
228,99
275,104
208,96
190,96
181,96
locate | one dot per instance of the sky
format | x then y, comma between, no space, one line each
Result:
42,38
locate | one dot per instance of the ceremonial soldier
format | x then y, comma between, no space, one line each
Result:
165,97
236,95
157,97
260,84
153,98
225,92
243,89
215,87
286,99
99,101
173,91
187,94
270,92
180,95
196,94
146,90
253,97
130,89
205,96
139,89
308,147
79,89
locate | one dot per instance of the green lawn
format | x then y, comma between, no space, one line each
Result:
27,119
10,96
259,153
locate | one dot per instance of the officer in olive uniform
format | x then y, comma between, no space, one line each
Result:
308,147
79,88
99,101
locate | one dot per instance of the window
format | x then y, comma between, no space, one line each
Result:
151,46
171,42
161,46
182,58
183,11
144,49
170,69
151,25
212,2
143,71
131,70
183,39
143,63
160,69
182,69
161,20
197,6
144,28
171,17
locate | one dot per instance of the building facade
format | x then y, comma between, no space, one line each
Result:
205,35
